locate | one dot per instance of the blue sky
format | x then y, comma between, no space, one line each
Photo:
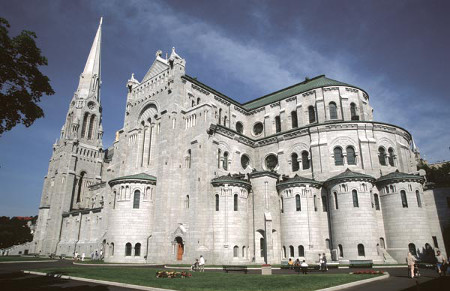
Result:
398,51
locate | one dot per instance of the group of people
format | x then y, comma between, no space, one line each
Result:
95,256
303,266
199,265
413,270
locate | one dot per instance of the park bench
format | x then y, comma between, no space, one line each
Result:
360,263
235,268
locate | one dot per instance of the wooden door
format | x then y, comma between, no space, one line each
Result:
180,252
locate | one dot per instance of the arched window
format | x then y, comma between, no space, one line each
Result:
291,251
284,252
271,162
243,251
312,114
382,156
83,127
128,249
295,163
351,156
277,124
328,243
224,121
80,186
404,199
225,161
137,199
239,127
111,249
235,202
235,251
355,198
391,156
258,128
189,157
333,110
218,158
301,251
341,251
137,249
245,161
282,205
198,101
91,127
193,103
336,200
361,251
353,114
217,202
338,157
419,201
412,249
298,203
377,201
187,202
305,160
220,116
315,202
294,119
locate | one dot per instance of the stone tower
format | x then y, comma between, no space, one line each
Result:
77,157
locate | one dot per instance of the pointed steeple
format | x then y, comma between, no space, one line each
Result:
90,78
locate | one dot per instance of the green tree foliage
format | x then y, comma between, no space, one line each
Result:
14,231
21,83
439,176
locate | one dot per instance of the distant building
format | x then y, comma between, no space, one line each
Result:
298,172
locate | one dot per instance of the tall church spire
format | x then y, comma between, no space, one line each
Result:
90,78
84,118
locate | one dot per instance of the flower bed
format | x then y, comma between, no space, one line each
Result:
369,272
166,274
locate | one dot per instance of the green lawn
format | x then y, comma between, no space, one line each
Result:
209,280
19,258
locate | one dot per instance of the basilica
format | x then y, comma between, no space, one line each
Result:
297,172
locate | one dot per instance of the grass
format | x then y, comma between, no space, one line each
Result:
217,281
21,259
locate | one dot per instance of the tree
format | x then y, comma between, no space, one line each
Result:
21,83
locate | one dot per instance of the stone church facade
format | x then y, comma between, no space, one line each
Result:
298,172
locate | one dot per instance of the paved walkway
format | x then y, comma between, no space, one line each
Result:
11,278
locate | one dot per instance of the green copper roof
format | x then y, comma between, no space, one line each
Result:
309,84
349,175
286,182
400,176
230,179
141,176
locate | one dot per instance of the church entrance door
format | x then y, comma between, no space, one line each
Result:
180,248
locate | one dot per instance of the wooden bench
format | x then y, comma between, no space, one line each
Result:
235,268
360,263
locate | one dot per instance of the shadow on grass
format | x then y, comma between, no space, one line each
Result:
18,281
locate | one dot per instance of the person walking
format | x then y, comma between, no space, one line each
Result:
410,259
320,262
440,263
82,256
201,264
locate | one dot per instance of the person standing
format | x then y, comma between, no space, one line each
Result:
440,263
201,264
324,263
82,256
320,262
410,260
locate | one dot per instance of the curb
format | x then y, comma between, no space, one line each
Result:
110,283
15,262
356,283
212,268
116,265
